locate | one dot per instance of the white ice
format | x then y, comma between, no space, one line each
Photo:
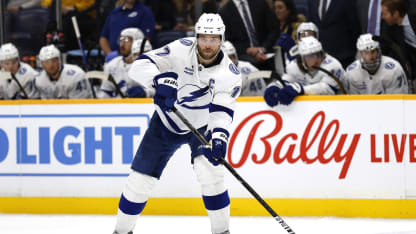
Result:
104,224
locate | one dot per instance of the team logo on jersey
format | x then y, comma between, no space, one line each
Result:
389,66
165,51
352,66
245,70
186,42
234,69
189,71
327,61
22,71
133,14
193,97
70,72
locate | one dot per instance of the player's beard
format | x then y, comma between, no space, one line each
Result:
208,54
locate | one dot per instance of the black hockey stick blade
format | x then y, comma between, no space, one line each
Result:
234,173
341,86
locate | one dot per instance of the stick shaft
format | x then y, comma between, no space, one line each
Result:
341,86
84,58
111,79
20,86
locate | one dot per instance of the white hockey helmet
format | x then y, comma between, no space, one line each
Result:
8,51
309,45
49,52
366,43
228,48
307,26
210,23
133,33
137,44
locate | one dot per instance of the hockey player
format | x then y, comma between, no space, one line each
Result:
302,78
374,73
59,80
250,87
127,35
194,76
120,65
24,73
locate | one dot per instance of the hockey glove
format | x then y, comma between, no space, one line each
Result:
285,41
166,85
136,92
270,95
289,92
218,147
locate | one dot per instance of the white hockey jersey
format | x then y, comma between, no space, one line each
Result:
389,78
117,68
206,95
9,89
71,84
250,87
319,83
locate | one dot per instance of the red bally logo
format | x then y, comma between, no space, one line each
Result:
307,140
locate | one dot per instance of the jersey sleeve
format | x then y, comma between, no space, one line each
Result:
396,83
226,91
150,64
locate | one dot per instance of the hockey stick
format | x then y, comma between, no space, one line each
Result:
104,76
341,86
84,58
235,174
9,75
265,74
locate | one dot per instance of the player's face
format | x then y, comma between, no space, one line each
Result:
369,56
51,66
281,11
390,18
313,60
125,46
10,65
208,45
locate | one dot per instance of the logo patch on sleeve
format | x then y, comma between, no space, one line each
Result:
352,66
389,66
233,69
245,70
186,42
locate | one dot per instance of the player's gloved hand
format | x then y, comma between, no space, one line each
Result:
270,95
289,92
136,92
285,41
218,147
166,85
